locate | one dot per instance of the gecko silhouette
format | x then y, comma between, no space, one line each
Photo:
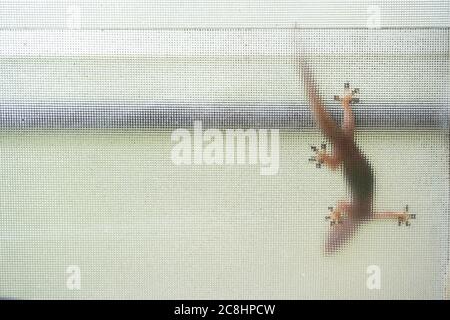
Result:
357,170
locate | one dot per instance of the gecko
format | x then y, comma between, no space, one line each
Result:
357,170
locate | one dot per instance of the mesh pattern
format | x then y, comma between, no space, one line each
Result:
94,95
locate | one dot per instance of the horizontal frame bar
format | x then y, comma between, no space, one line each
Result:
163,115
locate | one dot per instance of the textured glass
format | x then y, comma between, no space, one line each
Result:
92,204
